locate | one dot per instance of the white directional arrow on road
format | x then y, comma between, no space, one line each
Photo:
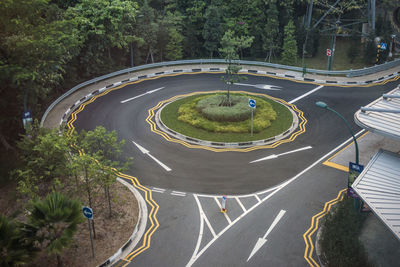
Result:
145,151
148,92
262,240
260,86
273,156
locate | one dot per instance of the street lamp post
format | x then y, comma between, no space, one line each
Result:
325,106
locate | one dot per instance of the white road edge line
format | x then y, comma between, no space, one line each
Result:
193,260
273,156
226,215
258,198
200,237
148,92
306,94
240,204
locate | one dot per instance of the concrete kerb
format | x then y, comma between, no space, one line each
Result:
214,144
137,232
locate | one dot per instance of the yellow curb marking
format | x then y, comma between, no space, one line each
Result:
148,194
314,226
154,129
329,163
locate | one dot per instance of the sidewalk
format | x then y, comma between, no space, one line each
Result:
54,117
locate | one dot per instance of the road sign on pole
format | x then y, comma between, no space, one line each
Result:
383,46
328,52
26,117
88,213
252,105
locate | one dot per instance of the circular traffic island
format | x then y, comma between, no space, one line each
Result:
216,119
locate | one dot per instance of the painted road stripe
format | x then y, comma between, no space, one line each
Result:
262,240
147,93
306,94
158,191
261,86
285,153
220,208
145,151
240,204
178,194
258,198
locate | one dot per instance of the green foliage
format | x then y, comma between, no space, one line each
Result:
189,113
173,50
15,248
339,240
211,108
55,220
270,32
212,31
289,54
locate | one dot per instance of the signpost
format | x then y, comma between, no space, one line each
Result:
328,52
354,171
383,46
252,105
26,117
88,213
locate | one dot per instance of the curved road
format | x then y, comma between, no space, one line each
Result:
270,203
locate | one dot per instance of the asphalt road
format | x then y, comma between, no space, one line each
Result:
193,231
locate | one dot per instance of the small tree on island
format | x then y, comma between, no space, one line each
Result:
230,46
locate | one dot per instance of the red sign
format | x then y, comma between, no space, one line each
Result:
328,52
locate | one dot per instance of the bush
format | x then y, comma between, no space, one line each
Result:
210,107
189,113
339,241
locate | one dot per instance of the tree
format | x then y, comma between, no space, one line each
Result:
289,55
230,45
193,28
271,31
104,149
15,248
212,29
147,29
44,157
173,49
55,220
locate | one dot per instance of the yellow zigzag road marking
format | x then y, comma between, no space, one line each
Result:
314,226
154,129
148,195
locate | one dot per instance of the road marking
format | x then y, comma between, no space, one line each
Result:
306,94
220,207
145,151
204,217
256,196
285,153
261,241
261,86
176,193
147,93
240,204
314,226
283,185
158,191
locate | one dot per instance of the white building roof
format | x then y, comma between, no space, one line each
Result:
382,116
379,186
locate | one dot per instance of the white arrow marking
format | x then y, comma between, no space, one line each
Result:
148,92
263,240
145,151
261,86
275,156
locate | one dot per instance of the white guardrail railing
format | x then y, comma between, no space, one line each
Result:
348,73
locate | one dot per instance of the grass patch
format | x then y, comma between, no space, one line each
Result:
170,113
339,240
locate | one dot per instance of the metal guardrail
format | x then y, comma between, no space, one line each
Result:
348,73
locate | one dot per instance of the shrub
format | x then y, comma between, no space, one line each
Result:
189,113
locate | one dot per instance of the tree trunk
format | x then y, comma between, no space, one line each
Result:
151,55
59,261
6,145
109,201
89,198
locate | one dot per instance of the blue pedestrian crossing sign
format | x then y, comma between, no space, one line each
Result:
252,103
383,46
87,212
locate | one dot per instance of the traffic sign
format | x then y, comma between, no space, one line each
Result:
87,212
328,52
26,117
383,46
354,171
252,103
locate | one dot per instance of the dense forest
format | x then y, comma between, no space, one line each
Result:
48,46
